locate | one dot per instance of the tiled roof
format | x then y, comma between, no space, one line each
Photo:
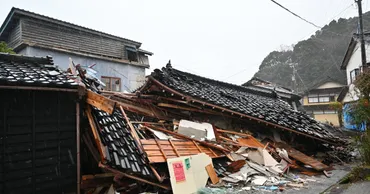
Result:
17,70
123,152
242,100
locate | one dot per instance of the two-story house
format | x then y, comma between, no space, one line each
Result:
120,63
317,101
352,64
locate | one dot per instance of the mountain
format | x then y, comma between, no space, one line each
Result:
315,59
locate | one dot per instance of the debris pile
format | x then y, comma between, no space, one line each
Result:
183,133
188,134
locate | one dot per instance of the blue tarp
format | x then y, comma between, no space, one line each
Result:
347,120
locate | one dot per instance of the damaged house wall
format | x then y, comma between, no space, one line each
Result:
131,76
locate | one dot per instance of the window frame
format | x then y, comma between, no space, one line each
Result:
320,98
355,72
110,83
132,51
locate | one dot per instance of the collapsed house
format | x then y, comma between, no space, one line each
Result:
194,92
171,135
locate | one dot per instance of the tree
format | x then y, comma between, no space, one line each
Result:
360,112
5,49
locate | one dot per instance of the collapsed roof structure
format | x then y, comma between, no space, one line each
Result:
237,101
135,137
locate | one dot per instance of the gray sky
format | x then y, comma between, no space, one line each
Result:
223,40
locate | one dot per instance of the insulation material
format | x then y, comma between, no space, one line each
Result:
199,131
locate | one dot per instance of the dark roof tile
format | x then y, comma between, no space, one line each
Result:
18,70
123,152
242,100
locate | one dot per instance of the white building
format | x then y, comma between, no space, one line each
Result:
352,63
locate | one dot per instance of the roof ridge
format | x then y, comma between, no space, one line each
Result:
210,79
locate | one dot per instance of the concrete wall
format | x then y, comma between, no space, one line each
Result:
333,118
131,76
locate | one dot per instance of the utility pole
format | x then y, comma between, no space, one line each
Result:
363,51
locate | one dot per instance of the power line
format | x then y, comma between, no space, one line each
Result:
305,36
295,14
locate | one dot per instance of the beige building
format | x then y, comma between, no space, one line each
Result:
317,100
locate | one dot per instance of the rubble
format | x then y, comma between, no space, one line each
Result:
171,135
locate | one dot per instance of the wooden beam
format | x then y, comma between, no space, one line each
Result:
174,148
96,134
133,177
98,180
188,138
196,145
160,148
133,131
213,152
100,102
233,132
159,178
184,108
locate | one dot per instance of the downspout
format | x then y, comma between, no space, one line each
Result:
78,145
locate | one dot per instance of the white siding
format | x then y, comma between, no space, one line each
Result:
353,63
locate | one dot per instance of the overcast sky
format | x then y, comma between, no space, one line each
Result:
223,40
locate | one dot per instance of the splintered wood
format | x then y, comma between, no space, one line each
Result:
160,150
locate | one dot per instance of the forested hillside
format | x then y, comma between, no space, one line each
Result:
315,59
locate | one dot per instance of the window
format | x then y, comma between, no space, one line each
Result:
111,83
319,98
353,74
313,99
131,53
320,112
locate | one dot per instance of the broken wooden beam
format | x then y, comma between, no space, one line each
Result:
100,102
